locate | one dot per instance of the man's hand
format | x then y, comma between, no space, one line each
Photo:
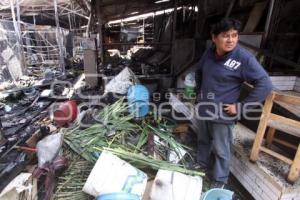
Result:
230,109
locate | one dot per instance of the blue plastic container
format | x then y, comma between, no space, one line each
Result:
138,100
217,194
118,196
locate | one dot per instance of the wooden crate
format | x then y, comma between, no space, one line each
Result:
297,85
265,179
284,82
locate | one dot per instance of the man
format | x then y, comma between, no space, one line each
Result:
219,76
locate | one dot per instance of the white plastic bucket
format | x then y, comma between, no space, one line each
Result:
113,175
170,185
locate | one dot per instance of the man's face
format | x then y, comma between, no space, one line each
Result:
226,41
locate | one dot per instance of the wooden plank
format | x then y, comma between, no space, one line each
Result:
268,192
284,87
258,188
241,179
295,168
284,83
284,120
291,93
291,108
284,128
270,136
248,185
276,155
283,78
262,127
282,142
289,196
287,99
295,190
251,178
247,173
257,174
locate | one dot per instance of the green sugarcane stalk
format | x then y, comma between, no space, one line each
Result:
84,142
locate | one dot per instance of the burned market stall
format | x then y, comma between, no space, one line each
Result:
100,99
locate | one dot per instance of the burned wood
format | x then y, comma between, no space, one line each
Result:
135,43
273,56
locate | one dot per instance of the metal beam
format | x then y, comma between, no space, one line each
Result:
74,12
273,56
88,25
268,21
47,15
135,43
62,9
70,22
59,38
18,33
88,5
100,23
173,36
228,12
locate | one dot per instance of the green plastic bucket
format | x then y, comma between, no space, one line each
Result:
189,92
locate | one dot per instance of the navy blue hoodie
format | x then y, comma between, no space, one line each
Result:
219,81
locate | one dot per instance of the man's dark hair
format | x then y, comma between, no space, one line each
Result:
225,25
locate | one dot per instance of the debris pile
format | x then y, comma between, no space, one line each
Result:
63,139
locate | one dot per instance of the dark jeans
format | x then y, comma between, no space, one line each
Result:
216,138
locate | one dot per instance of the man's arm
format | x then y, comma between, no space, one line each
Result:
198,72
255,74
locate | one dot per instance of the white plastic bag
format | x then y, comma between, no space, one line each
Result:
48,148
121,82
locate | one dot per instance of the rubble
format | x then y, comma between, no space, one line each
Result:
69,73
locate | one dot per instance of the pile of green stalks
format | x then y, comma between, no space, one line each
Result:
70,184
117,133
